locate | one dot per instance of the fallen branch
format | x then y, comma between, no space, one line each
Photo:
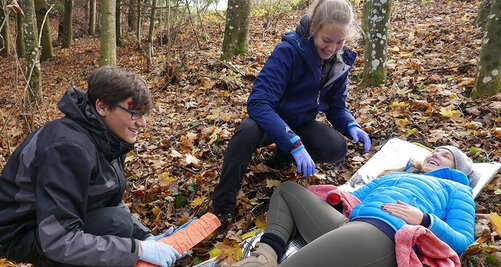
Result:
233,68
195,124
453,67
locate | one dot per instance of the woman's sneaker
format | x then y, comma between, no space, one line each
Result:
262,255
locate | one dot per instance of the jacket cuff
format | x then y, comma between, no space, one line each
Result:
426,220
353,124
296,145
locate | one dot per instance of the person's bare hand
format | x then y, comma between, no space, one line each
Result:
404,211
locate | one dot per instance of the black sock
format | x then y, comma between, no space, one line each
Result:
275,242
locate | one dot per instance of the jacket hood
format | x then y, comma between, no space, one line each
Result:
303,28
305,47
75,105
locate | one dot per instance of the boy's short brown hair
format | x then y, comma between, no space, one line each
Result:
115,84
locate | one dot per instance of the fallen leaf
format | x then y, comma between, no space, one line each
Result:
450,112
175,154
401,122
198,201
165,179
272,183
191,161
496,221
495,106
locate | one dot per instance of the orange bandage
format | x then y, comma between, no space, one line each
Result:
189,236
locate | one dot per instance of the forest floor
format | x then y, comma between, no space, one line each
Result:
199,100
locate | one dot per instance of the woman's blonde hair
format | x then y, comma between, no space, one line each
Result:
415,167
334,11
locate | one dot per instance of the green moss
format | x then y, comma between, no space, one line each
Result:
378,77
375,78
238,49
491,88
486,57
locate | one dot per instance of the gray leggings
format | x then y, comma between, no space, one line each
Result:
332,239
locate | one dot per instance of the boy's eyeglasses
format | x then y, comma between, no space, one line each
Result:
133,115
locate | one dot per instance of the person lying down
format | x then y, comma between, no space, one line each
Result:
434,193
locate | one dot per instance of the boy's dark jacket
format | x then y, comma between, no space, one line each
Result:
286,93
60,172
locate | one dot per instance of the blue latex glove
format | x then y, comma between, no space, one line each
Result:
157,253
180,256
359,134
304,162
157,237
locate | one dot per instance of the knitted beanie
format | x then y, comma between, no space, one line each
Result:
462,162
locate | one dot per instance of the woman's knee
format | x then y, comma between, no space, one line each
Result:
332,152
288,187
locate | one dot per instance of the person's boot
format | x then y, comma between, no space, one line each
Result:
262,255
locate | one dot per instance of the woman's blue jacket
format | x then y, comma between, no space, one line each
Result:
444,194
287,94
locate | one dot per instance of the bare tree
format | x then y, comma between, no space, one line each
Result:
41,9
488,80
483,12
68,23
108,51
118,22
19,36
33,70
150,34
236,33
132,14
378,14
4,33
92,17
138,31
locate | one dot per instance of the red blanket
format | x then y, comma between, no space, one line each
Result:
433,251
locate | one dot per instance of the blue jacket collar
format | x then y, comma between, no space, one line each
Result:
450,174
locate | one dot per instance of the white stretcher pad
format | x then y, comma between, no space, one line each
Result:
393,154
396,152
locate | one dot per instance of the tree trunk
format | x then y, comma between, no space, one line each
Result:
19,36
138,32
376,42
483,12
41,9
32,52
4,33
92,17
150,34
67,23
365,17
236,32
108,52
118,23
488,80
152,21
132,15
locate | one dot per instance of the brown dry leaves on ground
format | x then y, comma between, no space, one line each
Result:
199,100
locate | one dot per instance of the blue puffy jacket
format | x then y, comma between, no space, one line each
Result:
444,194
287,93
